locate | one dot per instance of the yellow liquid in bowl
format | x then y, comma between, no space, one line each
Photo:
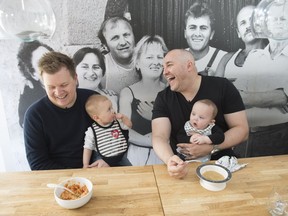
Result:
213,176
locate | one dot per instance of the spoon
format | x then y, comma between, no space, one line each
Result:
202,160
190,161
59,186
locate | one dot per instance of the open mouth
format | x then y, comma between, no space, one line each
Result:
61,97
170,79
197,40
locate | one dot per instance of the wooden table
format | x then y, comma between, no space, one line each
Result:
117,191
245,194
147,190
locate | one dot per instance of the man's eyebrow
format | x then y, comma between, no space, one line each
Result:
168,62
242,21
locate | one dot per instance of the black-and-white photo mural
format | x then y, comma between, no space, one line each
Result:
118,48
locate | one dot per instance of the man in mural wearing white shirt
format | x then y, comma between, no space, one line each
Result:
117,35
231,65
264,90
199,30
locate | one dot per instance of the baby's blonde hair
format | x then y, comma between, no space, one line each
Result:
211,104
92,105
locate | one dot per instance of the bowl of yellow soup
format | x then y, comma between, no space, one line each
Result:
213,177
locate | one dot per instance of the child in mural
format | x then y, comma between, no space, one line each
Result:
108,135
117,35
201,128
90,69
28,56
136,101
199,30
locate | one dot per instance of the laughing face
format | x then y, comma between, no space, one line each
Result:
176,70
120,40
89,72
198,33
60,88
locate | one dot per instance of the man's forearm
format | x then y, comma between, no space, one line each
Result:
233,137
274,98
162,149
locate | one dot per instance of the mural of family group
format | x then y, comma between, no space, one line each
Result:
127,67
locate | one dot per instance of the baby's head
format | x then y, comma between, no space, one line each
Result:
203,113
100,109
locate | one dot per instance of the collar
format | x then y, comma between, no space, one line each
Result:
190,129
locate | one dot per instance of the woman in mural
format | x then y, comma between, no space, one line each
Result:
90,68
28,56
136,101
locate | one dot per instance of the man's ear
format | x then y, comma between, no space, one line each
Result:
239,36
185,33
76,78
137,66
212,35
191,66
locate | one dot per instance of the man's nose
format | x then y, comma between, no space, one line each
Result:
122,41
58,90
164,70
197,31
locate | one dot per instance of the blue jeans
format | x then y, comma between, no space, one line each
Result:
265,141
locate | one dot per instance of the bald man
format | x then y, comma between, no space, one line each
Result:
173,105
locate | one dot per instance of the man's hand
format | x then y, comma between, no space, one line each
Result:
176,167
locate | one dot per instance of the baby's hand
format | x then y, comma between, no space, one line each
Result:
195,138
119,115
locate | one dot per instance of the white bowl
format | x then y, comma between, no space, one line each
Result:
213,184
72,204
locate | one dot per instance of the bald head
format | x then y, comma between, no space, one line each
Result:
245,12
180,55
181,58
